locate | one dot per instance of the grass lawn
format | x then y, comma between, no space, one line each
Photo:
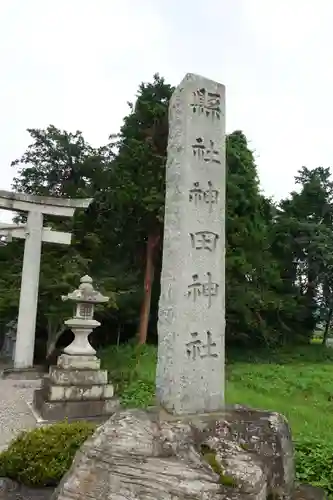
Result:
303,392
297,382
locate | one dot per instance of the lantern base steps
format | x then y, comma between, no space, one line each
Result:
78,361
73,410
60,376
73,393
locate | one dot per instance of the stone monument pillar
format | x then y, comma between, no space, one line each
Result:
190,371
77,388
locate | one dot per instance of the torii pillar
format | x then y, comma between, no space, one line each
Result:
34,234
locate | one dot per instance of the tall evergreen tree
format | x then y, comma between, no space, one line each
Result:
252,276
304,247
138,184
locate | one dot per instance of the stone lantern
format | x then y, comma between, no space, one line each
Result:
77,388
83,323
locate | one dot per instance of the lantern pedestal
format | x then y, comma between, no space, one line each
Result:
77,388
81,328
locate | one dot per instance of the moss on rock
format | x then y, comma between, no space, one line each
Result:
209,456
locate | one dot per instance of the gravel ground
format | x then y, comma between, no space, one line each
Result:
15,414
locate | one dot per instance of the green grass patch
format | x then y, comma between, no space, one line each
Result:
297,382
303,393
132,370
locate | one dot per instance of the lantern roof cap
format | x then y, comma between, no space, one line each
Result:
86,293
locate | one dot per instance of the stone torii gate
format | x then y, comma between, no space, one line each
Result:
34,234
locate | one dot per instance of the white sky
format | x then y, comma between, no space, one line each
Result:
75,64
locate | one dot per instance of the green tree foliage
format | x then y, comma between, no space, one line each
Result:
11,258
304,247
59,164
252,276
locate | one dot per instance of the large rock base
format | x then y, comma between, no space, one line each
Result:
137,455
75,389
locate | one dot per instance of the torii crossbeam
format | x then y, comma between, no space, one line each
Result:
34,234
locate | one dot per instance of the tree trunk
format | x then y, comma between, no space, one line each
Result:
310,297
54,330
152,243
328,324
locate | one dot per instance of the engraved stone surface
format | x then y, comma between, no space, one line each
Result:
54,411
190,371
59,376
79,362
77,393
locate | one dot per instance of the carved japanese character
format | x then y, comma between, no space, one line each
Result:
206,153
204,240
207,289
196,349
206,103
208,196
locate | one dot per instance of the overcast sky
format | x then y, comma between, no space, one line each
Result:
75,64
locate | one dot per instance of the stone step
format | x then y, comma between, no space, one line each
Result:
76,392
60,376
73,410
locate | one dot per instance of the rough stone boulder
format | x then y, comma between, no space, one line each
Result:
139,455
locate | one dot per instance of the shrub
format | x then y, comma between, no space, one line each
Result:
138,394
42,456
314,462
132,370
